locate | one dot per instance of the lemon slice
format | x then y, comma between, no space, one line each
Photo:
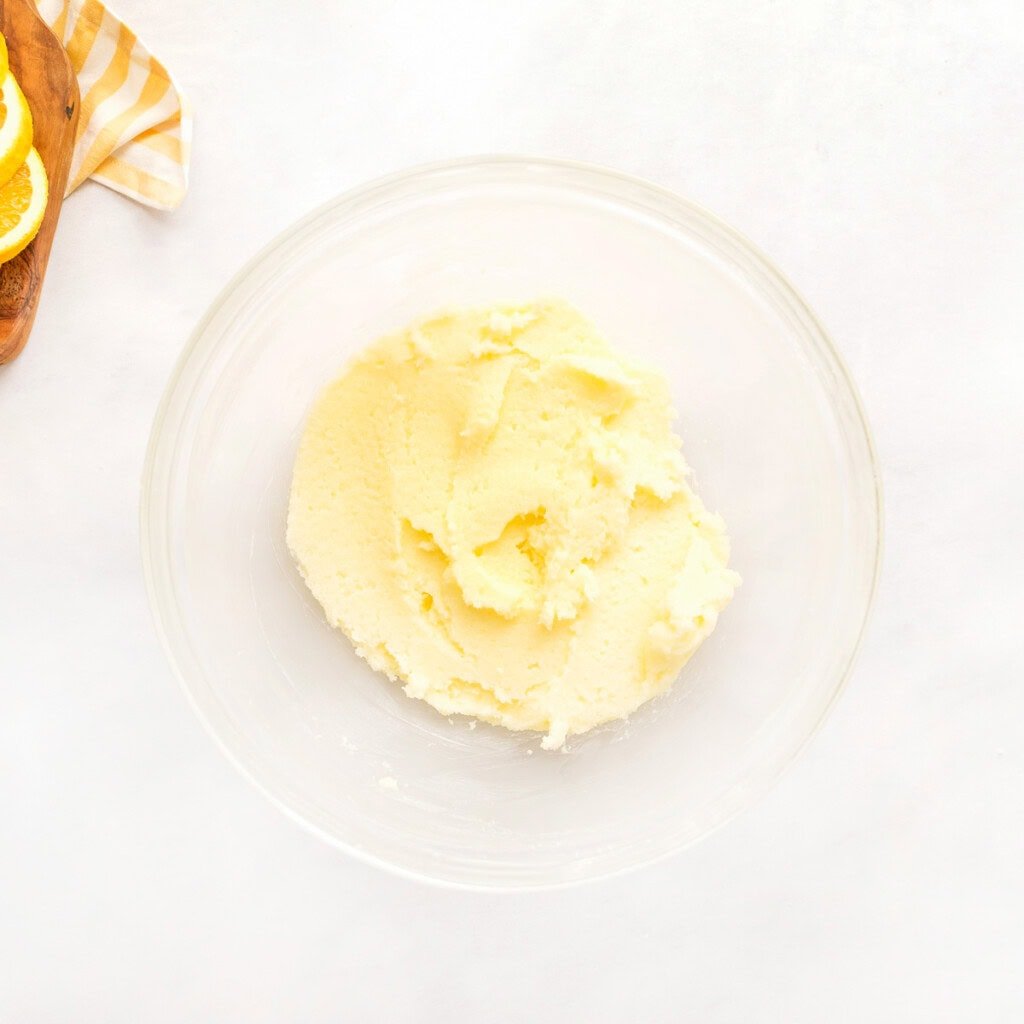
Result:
15,128
22,205
4,66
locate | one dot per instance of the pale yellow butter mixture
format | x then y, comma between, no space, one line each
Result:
493,507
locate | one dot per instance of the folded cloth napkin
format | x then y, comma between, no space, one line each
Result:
135,124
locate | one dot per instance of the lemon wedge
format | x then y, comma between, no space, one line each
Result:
22,205
15,128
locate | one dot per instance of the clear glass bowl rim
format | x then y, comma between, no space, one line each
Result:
154,527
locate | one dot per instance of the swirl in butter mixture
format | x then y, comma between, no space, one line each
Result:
493,507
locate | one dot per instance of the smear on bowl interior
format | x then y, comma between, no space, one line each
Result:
493,507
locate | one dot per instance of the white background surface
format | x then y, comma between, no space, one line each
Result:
875,150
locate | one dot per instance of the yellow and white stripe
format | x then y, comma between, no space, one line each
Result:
135,125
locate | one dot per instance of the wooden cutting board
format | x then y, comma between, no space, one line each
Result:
48,81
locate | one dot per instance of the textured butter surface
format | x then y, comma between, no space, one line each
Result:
493,507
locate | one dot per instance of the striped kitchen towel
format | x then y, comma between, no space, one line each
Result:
135,125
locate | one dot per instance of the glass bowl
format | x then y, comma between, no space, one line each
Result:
770,422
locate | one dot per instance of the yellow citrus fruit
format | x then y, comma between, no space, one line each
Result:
4,66
22,205
15,128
